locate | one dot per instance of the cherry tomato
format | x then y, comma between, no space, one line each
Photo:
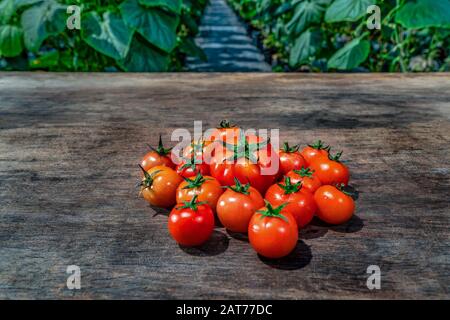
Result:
273,232
206,188
191,223
313,151
237,205
333,205
290,159
201,149
310,181
330,170
299,203
191,167
159,186
250,160
225,132
159,156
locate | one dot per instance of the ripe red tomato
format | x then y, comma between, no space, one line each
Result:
206,188
299,203
290,159
310,181
333,205
193,166
313,151
250,160
237,205
330,170
159,186
191,223
273,232
225,132
159,156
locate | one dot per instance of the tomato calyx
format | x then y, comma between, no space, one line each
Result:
304,172
348,190
160,149
147,181
270,211
244,149
196,182
191,163
288,149
336,157
193,204
225,124
290,187
239,187
318,145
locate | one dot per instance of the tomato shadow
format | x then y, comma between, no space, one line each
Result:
238,235
160,211
217,244
355,224
299,258
312,232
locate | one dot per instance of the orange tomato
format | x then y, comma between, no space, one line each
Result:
159,156
206,188
159,186
313,151
310,181
330,170
333,205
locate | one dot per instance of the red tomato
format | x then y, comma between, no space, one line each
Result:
273,232
309,180
313,151
299,203
330,170
206,188
333,205
201,150
225,132
191,167
159,186
290,159
159,156
250,160
237,205
191,223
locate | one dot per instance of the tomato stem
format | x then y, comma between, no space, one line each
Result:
270,211
196,182
290,187
319,146
286,148
191,204
160,149
147,181
335,157
225,124
244,149
304,172
240,188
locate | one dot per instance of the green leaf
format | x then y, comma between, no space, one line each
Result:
305,46
110,36
189,47
351,55
143,58
41,21
10,41
7,9
305,13
173,5
155,25
347,10
46,60
424,13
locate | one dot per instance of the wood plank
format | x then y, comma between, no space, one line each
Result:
69,145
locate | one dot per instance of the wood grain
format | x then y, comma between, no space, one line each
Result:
70,143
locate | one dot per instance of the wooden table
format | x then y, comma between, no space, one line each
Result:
69,148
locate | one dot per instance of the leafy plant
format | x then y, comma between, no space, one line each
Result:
128,35
324,35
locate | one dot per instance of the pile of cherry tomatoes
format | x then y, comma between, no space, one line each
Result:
223,176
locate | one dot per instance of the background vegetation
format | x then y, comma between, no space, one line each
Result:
327,35
128,35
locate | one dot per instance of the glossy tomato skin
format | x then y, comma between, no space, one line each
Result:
235,209
273,237
191,227
330,171
301,204
192,171
208,191
309,154
260,174
309,182
202,150
153,159
290,161
224,132
162,192
333,206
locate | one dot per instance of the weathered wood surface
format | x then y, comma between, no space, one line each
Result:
69,145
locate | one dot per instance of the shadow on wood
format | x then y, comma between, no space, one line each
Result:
217,244
355,224
299,258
